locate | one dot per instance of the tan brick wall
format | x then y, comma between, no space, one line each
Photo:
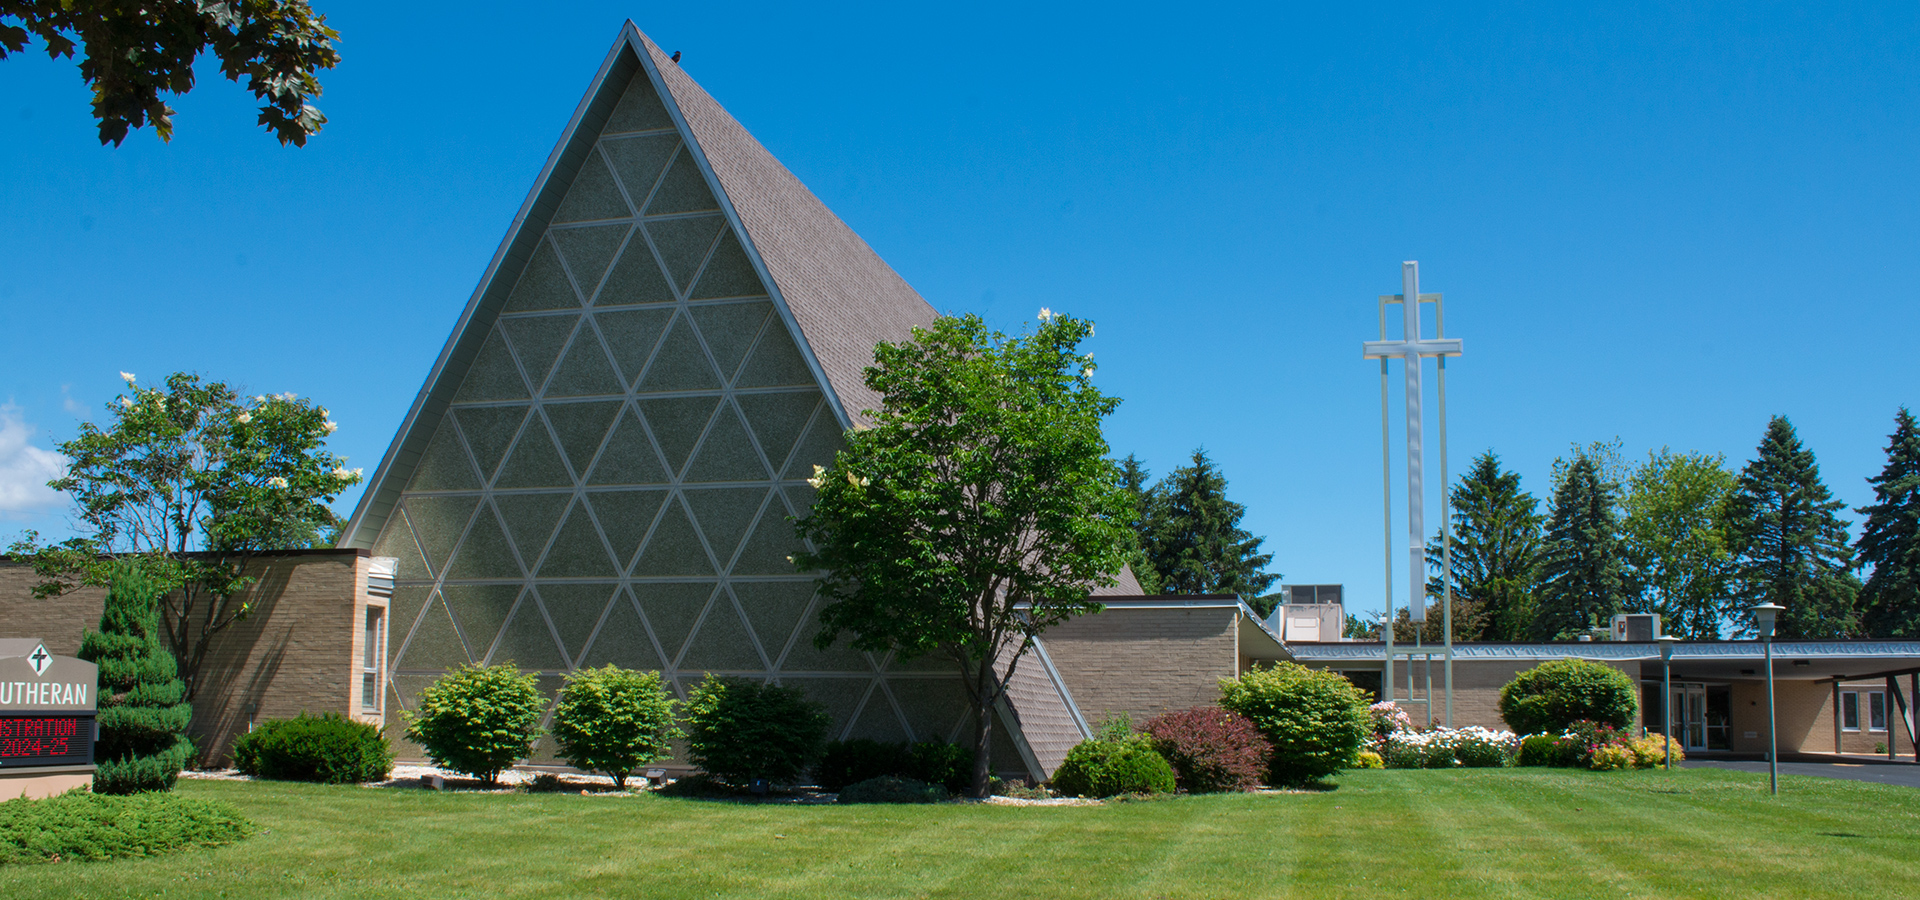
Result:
1476,688
295,652
1143,662
1820,738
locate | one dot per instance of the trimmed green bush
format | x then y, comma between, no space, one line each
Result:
740,730
1555,694
1104,768
1316,720
941,763
143,710
327,749
478,719
1538,750
861,759
892,789
614,720
80,826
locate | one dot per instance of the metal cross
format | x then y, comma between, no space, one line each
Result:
39,659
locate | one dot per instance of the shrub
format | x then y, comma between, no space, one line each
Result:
1538,750
614,720
740,730
941,763
1445,748
892,789
478,719
327,749
143,710
861,759
1388,718
1210,749
1607,757
1650,752
1547,698
1315,719
1103,768
1367,759
82,826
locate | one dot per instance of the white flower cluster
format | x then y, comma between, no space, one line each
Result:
276,482
1449,747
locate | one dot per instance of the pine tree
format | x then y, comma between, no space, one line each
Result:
1194,541
1890,539
1583,577
142,711
1790,547
1135,476
1495,556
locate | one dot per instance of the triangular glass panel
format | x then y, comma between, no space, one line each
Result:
683,244
803,656
776,362
489,431
639,161
777,421
493,375
841,696
577,551
773,541
639,108
722,643
635,278
727,454
439,522
537,341
729,329
581,427
625,517
629,457
932,705
531,519
444,465
543,285
631,335
594,195
396,540
404,610
480,609
585,371
677,423
729,273
588,251
434,644
526,641
574,610
824,440
485,553
623,640
672,609
724,514
673,549
774,610
683,190
533,462
681,364
877,720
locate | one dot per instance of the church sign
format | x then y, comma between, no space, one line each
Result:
47,706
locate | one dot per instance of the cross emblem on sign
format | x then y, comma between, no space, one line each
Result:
40,659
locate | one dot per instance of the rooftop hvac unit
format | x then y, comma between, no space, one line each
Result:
1637,627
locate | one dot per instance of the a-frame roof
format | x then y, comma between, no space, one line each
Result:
833,292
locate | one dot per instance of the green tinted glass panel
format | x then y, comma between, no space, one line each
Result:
625,517
404,610
594,195
585,370
533,462
636,278
777,421
632,335
623,640
774,610
877,721
841,696
933,706
434,644
722,642
438,522
681,364
775,362
444,466
639,108
543,285
639,161
674,548
728,273
773,540
493,375
729,329
824,439
804,657
575,610
531,520
629,457
489,430
683,190
677,424
589,251
683,244
577,551
485,553
526,641
480,609
672,609
537,341
727,454
581,427
724,514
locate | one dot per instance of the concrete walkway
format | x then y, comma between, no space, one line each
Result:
1879,771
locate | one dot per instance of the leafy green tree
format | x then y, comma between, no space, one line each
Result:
478,719
1496,555
1136,478
979,508
132,52
1360,629
1315,719
1194,541
614,720
1583,575
1790,546
143,710
739,730
1674,530
194,482
1890,539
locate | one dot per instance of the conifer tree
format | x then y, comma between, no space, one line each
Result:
1790,547
1890,539
1495,555
143,712
1194,539
1583,577
1135,476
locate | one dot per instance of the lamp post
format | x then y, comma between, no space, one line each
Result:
1763,619
1666,685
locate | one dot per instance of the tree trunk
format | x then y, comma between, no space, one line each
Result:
982,743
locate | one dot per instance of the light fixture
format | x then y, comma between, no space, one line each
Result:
1764,617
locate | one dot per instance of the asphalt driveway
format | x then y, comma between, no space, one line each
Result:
1881,771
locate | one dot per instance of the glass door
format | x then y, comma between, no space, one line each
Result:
1690,715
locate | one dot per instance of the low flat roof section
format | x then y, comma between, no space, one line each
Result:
1794,660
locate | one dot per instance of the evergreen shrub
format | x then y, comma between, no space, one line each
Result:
327,749
861,759
1211,749
614,720
740,730
80,826
1104,768
1538,750
1316,720
941,763
1548,698
142,706
892,789
478,719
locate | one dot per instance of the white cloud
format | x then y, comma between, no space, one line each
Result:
24,468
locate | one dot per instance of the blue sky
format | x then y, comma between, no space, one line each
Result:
1653,223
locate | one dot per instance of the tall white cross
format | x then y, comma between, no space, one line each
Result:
1410,348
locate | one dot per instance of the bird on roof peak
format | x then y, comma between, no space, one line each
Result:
676,56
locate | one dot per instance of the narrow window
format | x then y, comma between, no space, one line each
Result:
1876,711
1849,711
370,693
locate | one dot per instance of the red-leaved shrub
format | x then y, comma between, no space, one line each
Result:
1211,749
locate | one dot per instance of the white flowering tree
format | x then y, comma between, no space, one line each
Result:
191,481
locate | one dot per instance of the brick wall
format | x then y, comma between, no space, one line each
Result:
1820,737
1143,662
295,652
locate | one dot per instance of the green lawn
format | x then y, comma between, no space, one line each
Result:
1471,833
